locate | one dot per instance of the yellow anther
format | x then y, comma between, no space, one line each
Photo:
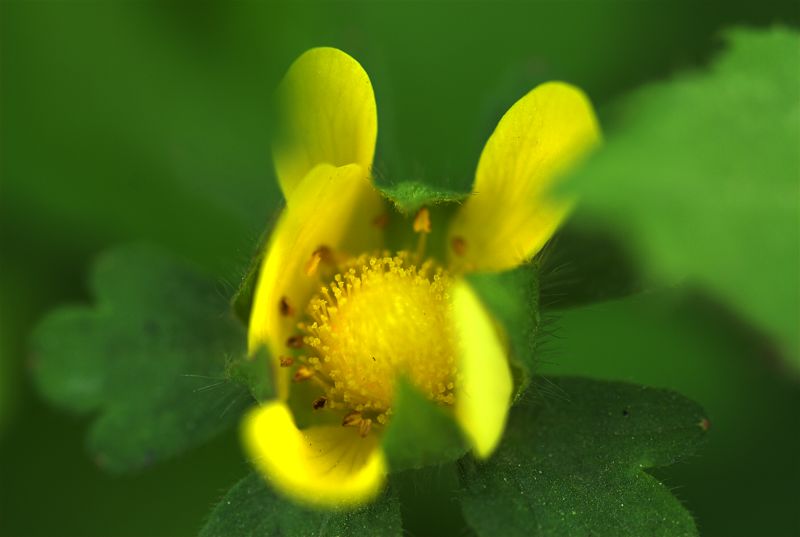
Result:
422,221
364,427
352,419
322,254
303,373
286,361
313,263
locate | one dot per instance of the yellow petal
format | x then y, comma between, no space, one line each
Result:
484,393
324,466
332,208
328,116
510,214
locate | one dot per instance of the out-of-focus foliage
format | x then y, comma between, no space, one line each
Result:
702,176
251,509
148,358
572,463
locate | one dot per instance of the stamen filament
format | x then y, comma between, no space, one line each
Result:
422,226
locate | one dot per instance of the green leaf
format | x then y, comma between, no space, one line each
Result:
679,340
420,432
700,175
251,509
148,359
409,196
429,501
513,299
572,463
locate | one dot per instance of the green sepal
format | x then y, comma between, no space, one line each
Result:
242,300
408,197
573,462
147,359
254,371
251,509
420,432
512,297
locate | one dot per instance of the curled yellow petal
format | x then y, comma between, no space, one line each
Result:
483,396
328,116
323,466
329,213
511,214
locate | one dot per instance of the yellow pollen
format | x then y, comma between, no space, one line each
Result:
379,318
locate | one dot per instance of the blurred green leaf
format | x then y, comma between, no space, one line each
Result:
420,432
251,509
582,265
513,299
572,463
149,357
701,174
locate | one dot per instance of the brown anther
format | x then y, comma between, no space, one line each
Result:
322,254
295,342
364,427
325,254
286,361
422,221
285,308
352,419
313,264
319,402
381,221
459,245
303,373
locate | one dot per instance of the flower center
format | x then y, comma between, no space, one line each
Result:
379,318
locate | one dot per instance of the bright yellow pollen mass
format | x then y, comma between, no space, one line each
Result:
381,317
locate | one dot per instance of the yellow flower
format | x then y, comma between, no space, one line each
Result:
343,318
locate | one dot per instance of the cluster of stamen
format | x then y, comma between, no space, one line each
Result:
380,317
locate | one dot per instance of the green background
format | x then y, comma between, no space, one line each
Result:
128,121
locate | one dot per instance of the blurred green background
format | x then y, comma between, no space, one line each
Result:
129,121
